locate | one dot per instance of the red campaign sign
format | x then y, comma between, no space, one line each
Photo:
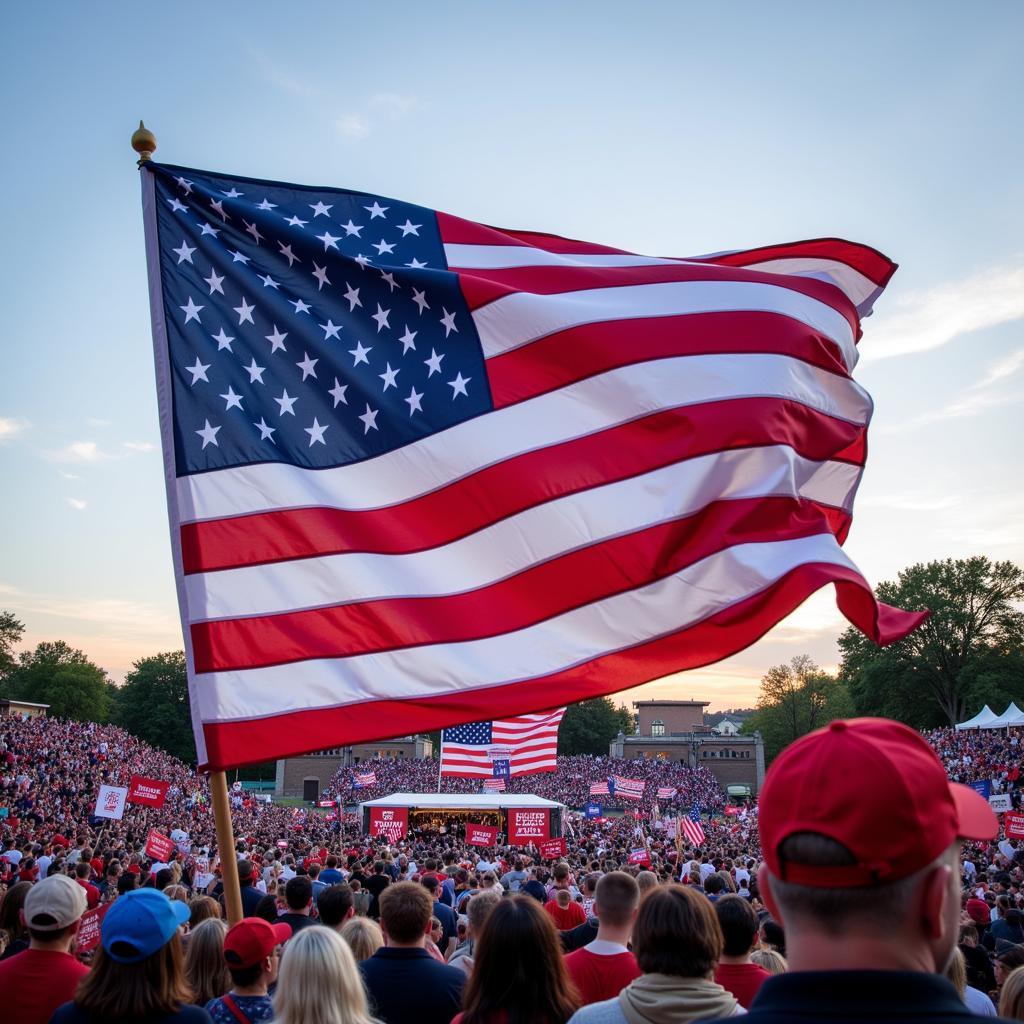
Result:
640,856
159,847
528,825
151,792
326,803
553,848
1014,824
392,822
481,835
89,929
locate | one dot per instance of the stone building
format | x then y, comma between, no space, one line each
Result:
675,730
10,708
307,776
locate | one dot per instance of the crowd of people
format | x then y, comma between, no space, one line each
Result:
862,875
569,784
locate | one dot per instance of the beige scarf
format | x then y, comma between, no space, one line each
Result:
667,999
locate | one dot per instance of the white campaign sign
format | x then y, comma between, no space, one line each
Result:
110,802
1000,802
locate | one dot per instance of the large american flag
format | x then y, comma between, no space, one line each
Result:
631,789
421,471
527,742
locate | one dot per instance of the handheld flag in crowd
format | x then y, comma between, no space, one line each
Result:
690,826
666,792
584,468
629,789
599,788
361,779
495,785
514,746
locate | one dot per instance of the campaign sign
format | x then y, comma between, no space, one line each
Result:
481,835
983,786
553,848
1014,824
159,846
110,802
391,822
1000,802
89,928
528,825
592,810
151,792
502,768
641,855
325,803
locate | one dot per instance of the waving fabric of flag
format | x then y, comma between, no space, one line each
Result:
514,746
421,471
630,789
691,826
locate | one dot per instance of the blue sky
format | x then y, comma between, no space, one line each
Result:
666,128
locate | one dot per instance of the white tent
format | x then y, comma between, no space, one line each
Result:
980,720
1011,716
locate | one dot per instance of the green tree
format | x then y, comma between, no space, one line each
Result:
11,631
795,699
590,726
153,704
968,652
64,678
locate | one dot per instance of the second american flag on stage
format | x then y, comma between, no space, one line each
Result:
422,471
525,745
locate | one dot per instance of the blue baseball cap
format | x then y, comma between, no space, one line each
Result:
139,923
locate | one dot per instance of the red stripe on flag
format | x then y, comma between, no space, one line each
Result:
540,592
456,231
514,485
246,742
586,351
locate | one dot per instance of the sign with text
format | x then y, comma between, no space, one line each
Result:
390,822
553,848
641,855
88,937
110,802
1014,825
1000,802
982,787
150,792
159,846
592,810
528,825
481,835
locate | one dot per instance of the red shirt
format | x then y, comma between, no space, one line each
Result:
92,894
601,976
34,983
565,918
742,980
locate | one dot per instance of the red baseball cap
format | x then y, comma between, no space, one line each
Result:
249,941
875,786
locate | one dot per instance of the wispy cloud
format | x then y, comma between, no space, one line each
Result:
139,446
391,106
981,397
933,317
908,503
79,451
10,428
77,503
353,126
395,104
69,476
283,78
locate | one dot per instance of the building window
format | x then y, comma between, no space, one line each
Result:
657,728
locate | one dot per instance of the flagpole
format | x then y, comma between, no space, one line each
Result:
144,143
440,761
226,846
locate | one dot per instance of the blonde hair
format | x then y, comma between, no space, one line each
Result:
319,982
770,959
204,960
956,972
1011,999
364,936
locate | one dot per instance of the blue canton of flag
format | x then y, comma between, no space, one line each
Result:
476,733
310,326
611,785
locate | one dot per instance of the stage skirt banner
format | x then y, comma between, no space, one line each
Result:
481,835
1014,826
88,937
159,846
391,822
553,848
528,825
150,792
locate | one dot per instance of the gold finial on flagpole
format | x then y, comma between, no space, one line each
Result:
144,143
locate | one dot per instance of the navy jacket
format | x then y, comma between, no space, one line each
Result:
853,997
408,986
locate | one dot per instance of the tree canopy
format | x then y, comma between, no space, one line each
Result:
153,704
795,699
58,675
11,632
590,726
969,652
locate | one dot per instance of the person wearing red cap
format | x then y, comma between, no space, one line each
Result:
860,832
252,951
